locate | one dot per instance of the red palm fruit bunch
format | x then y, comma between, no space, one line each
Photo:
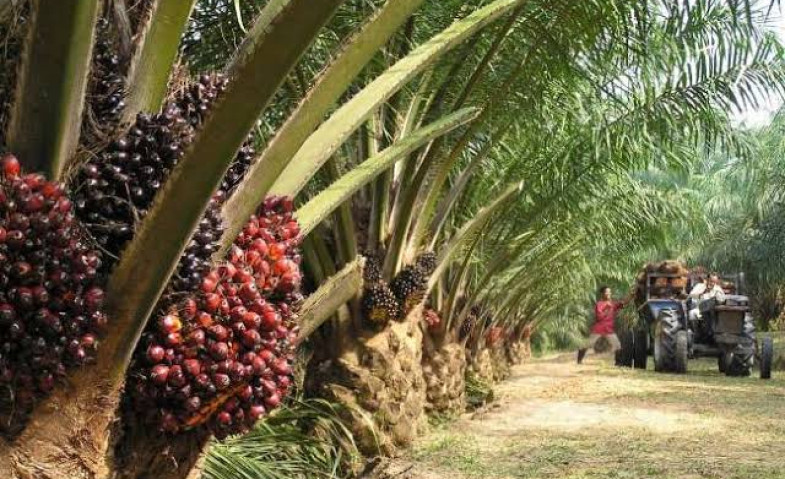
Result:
222,357
494,336
50,290
432,319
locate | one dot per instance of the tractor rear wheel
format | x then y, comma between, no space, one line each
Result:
641,348
766,357
625,354
666,345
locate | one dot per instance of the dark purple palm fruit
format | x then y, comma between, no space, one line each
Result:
114,192
467,327
426,263
373,270
239,167
221,357
196,101
409,287
379,305
51,296
106,88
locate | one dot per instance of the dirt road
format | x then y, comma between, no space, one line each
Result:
555,419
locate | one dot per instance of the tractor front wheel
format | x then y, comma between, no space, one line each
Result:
738,363
682,351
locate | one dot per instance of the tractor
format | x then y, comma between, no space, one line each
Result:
666,330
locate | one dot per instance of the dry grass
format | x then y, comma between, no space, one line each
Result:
557,420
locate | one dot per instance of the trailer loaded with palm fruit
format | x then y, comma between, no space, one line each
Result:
664,329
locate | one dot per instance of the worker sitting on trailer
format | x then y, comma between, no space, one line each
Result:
705,295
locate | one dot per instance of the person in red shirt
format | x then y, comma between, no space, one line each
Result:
605,312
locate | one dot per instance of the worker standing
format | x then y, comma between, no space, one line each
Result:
605,312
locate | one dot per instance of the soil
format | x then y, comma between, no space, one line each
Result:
555,419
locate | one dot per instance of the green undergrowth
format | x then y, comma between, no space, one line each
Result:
478,391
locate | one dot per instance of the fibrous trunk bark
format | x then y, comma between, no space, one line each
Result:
68,435
444,370
378,378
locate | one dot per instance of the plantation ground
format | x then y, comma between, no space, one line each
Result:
555,419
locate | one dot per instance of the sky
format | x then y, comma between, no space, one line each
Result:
763,115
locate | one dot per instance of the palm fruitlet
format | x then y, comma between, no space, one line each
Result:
50,291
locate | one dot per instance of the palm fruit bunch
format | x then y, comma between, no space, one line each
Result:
195,102
409,287
50,291
372,272
468,324
426,263
432,319
494,336
379,305
114,191
221,357
674,284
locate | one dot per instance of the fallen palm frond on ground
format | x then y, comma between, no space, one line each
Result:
303,440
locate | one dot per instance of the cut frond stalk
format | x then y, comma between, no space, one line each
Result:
152,65
44,127
334,293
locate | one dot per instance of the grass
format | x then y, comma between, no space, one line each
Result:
557,420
